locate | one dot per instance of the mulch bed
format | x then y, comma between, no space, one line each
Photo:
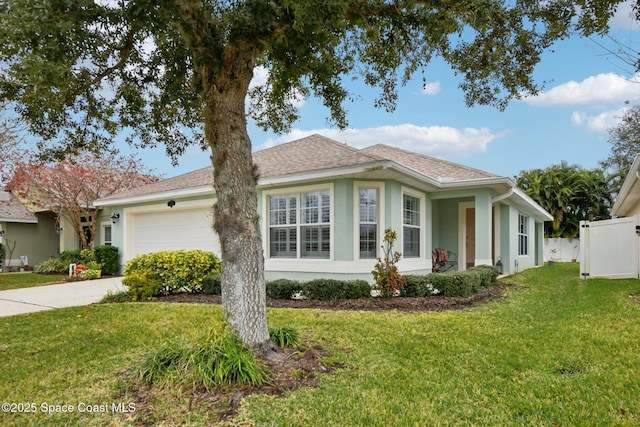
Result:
432,303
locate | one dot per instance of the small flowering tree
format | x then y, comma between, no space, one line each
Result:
69,187
389,281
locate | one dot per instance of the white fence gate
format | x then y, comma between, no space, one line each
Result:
609,248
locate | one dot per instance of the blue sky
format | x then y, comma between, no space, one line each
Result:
587,90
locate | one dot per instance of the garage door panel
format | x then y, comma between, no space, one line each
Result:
175,230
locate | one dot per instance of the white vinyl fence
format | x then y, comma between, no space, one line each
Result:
609,248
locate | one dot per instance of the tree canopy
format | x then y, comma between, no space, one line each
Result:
177,73
69,187
570,194
625,145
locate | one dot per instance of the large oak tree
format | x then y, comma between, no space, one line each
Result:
177,72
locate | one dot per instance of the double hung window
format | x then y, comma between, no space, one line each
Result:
368,206
411,226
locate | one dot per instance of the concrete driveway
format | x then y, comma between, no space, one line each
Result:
70,294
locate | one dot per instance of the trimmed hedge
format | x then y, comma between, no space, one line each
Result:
319,289
211,285
283,288
179,271
418,286
328,289
452,283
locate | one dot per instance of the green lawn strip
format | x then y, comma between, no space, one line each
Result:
560,351
28,280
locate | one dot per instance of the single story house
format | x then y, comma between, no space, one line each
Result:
324,207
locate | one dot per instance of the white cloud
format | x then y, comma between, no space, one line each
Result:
431,88
603,89
599,123
437,141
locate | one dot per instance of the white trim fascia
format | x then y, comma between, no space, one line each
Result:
21,221
480,182
536,208
627,185
203,190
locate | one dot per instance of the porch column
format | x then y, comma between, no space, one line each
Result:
483,228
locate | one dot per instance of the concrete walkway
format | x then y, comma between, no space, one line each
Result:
70,294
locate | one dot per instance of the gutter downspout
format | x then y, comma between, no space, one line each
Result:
502,196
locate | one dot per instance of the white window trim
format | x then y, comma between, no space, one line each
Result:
265,223
423,218
527,233
379,186
103,225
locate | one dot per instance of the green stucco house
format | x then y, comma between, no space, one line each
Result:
324,207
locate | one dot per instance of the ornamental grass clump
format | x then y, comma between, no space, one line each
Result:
218,358
284,336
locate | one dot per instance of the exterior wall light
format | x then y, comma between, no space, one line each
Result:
115,217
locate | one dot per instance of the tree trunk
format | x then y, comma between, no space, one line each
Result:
235,213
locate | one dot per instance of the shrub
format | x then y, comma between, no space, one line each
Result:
143,285
455,284
488,274
179,271
218,359
211,284
284,337
52,266
388,279
328,289
283,288
107,255
418,286
71,257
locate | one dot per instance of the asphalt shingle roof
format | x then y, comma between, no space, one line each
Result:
13,210
426,165
315,153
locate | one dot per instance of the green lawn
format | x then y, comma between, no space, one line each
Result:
27,280
559,351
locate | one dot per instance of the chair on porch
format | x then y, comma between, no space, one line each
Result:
444,260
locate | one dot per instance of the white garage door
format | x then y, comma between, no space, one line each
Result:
174,230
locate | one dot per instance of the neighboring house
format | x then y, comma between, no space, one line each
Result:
324,207
628,200
33,233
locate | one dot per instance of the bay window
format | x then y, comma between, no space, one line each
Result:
300,225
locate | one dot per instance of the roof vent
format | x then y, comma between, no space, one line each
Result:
4,196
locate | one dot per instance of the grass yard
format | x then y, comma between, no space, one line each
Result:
560,351
28,280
